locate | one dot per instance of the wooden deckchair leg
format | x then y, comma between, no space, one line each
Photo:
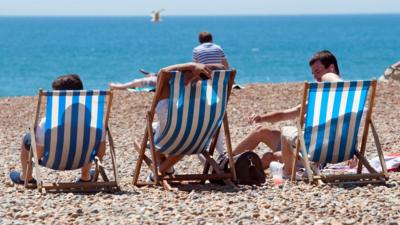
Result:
152,148
295,153
229,147
379,149
211,152
33,151
218,170
365,162
301,144
367,122
146,159
113,156
140,159
97,169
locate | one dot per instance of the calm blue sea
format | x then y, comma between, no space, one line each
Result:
34,50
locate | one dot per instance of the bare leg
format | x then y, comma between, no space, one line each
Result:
287,155
166,165
85,170
24,157
261,134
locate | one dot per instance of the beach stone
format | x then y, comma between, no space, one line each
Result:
349,222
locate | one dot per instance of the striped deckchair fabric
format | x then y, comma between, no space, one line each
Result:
195,112
76,125
331,116
74,128
334,112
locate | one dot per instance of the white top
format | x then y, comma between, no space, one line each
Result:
208,53
41,128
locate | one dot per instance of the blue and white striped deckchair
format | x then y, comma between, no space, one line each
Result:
75,125
195,113
333,116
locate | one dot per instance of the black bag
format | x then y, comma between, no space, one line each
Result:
248,166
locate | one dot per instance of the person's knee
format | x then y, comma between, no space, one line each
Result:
26,142
267,131
266,159
262,130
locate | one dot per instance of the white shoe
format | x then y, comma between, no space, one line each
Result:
149,177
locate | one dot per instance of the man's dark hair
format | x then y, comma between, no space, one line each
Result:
326,58
205,37
67,82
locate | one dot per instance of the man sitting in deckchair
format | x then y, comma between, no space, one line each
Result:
325,69
66,82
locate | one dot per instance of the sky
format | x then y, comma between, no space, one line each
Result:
187,7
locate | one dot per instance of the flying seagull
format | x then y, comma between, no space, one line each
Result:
155,16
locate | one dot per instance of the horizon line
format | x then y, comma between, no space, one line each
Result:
201,15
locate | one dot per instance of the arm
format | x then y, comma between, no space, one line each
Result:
122,86
225,62
273,117
198,70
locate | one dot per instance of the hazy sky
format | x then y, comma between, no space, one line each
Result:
200,7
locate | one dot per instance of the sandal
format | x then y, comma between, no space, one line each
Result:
15,177
91,173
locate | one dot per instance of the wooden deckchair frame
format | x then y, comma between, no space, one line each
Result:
94,186
166,180
373,177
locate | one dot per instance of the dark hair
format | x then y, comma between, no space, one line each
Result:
326,58
67,82
205,37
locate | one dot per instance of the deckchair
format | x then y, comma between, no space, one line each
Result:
74,126
333,114
195,114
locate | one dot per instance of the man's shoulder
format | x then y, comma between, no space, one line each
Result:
207,45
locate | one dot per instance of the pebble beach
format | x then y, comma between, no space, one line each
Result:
289,203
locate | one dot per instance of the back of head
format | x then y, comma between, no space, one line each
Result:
205,37
326,58
68,82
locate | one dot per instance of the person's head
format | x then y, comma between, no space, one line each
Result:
67,82
205,37
323,62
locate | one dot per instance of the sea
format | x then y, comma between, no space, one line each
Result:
35,50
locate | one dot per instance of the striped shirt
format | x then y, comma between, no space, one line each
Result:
207,53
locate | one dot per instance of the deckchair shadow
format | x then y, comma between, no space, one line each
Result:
195,114
331,115
75,129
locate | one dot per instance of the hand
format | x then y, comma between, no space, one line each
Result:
199,72
254,119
